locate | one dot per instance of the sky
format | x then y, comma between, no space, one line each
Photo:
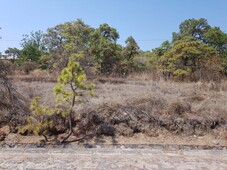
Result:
150,22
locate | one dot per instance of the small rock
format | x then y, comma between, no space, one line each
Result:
215,142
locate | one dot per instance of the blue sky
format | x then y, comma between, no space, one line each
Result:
150,22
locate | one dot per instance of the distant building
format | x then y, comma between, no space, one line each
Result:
6,58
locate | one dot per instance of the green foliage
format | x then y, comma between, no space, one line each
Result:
39,122
97,49
70,90
104,49
190,59
108,32
131,49
35,39
74,76
197,51
33,47
192,27
30,53
200,30
66,39
14,52
127,62
160,51
156,53
216,38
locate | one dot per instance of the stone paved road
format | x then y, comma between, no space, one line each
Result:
111,158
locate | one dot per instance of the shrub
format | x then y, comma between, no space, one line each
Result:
41,120
13,106
28,66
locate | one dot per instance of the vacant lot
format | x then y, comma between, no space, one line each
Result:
143,111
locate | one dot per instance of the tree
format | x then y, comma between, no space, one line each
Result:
190,59
108,32
200,30
192,27
41,119
74,76
14,52
33,47
30,53
13,106
131,49
126,63
54,39
197,48
105,50
66,39
160,51
216,38
35,39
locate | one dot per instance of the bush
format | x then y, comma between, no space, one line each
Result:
42,120
28,66
191,60
13,106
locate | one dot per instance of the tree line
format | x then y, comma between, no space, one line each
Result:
197,51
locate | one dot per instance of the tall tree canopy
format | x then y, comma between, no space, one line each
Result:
197,51
104,49
192,27
66,39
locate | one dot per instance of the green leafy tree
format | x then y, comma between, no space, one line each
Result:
160,51
72,76
131,49
202,31
216,38
53,38
197,49
108,32
66,39
127,64
33,47
192,27
30,53
105,50
35,39
14,52
40,121
191,60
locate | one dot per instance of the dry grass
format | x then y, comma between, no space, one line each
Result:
181,108
139,105
205,98
36,75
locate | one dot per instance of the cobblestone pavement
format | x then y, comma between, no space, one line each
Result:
112,158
